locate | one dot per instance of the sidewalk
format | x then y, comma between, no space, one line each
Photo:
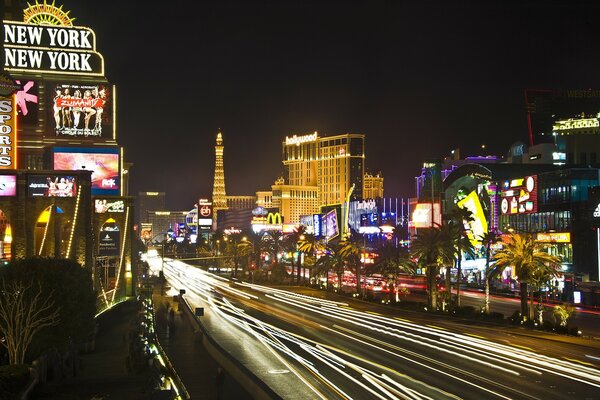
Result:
196,368
104,374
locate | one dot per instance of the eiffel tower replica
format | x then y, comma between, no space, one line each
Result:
219,197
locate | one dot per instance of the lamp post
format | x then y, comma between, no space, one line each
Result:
168,235
250,256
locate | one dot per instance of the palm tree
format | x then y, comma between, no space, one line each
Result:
432,248
391,262
529,261
309,245
488,239
272,243
458,218
350,251
331,261
251,246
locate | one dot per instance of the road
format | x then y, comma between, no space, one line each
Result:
331,349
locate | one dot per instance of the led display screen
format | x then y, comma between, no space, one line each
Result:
51,186
421,216
80,110
330,225
478,225
103,162
8,185
519,196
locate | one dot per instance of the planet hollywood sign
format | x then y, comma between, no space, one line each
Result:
51,49
298,140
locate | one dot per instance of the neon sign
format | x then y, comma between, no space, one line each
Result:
51,48
478,226
519,196
298,140
576,124
8,133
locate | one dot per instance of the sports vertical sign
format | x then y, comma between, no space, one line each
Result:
8,133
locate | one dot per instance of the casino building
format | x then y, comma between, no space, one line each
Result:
333,164
63,191
551,202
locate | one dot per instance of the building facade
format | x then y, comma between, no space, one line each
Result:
149,201
241,202
294,201
334,164
373,186
65,112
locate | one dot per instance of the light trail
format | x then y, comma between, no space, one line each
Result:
324,362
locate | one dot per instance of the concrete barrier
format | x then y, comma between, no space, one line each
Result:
244,376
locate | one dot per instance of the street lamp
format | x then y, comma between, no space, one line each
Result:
250,256
168,235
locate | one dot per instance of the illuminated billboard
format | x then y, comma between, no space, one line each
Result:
146,232
102,161
421,216
102,206
8,132
478,226
519,196
8,185
42,46
82,110
51,186
330,225
205,214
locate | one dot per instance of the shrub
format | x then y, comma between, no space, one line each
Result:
13,379
574,330
465,311
516,318
496,316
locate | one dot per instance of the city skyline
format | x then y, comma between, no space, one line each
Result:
430,76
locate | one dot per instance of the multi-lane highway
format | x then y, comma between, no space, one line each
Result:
307,347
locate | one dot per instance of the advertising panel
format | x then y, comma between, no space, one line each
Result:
421,216
82,110
205,214
594,202
8,132
102,206
478,226
103,162
554,237
317,225
51,186
146,231
519,196
8,185
108,244
330,225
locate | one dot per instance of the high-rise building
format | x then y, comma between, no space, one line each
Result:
264,198
241,202
577,140
149,201
341,167
162,221
294,201
373,186
219,196
334,164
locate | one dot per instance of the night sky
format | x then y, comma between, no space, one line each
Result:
418,78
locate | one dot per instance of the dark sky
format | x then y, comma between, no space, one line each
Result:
418,78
